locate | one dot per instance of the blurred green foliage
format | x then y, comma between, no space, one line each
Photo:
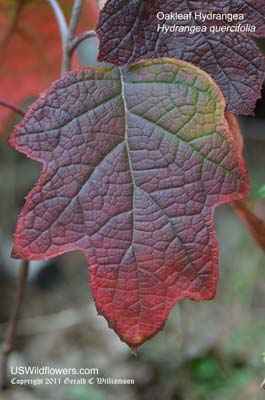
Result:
211,374
260,194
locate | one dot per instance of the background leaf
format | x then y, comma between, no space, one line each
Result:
233,60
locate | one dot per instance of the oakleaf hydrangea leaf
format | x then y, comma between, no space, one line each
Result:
135,161
128,31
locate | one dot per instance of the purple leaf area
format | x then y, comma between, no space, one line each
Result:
135,161
128,31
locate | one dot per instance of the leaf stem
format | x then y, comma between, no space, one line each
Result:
11,330
12,107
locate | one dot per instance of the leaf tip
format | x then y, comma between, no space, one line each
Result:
134,349
135,342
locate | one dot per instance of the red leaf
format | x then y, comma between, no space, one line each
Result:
30,47
135,161
232,59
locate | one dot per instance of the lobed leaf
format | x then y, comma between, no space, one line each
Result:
135,161
128,32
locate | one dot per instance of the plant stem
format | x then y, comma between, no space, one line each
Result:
12,107
77,8
79,39
254,224
10,334
60,20
67,54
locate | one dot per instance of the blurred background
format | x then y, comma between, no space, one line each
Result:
207,351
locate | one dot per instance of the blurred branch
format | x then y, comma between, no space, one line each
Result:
79,39
254,224
14,22
12,107
67,54
60,19
12,325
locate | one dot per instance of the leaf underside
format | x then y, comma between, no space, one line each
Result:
128,32
135,160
